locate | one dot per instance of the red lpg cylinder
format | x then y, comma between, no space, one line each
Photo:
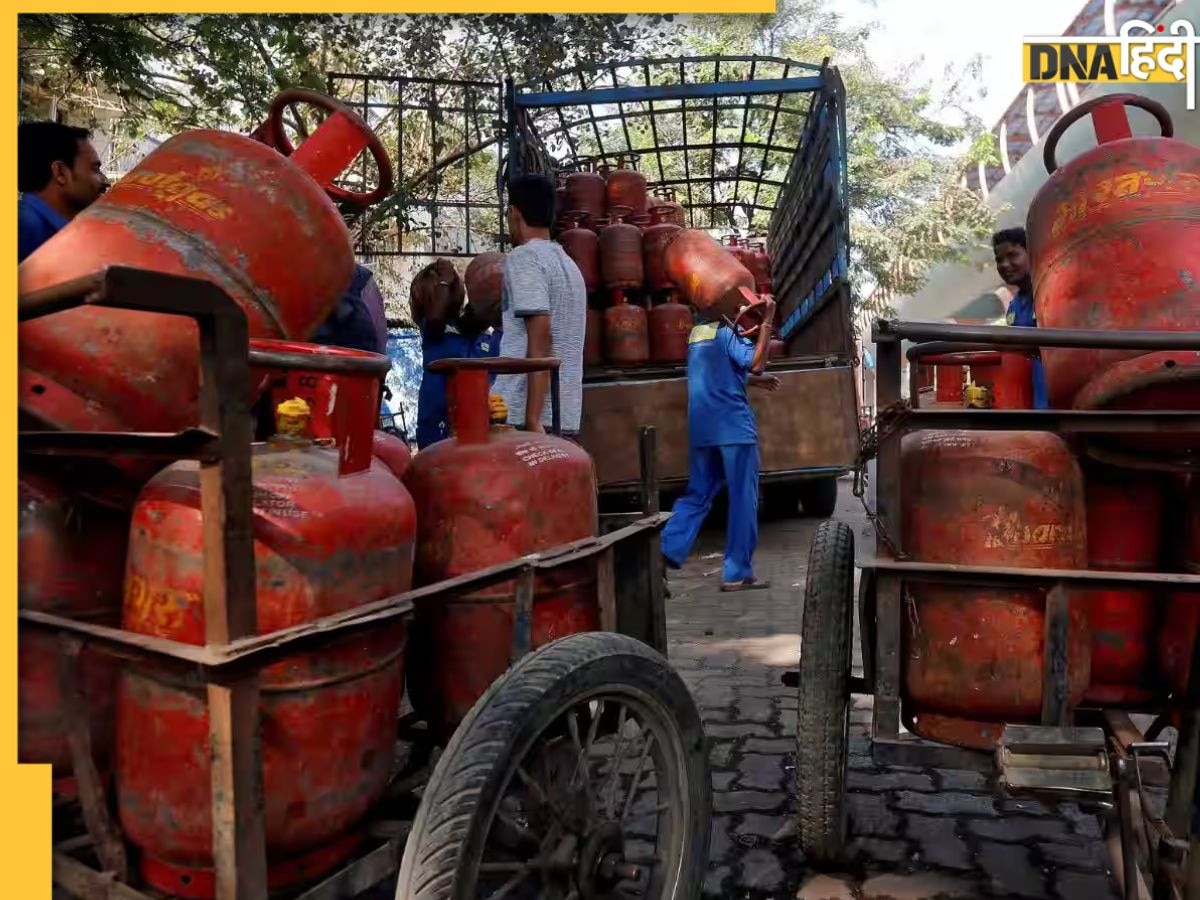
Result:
325,540
949,384
593,340
205,204
709,278
621,253
973,655
655,238
484,497
392,452
1124,533
583,246
586,193
1181,617
626,333
625,187
1089,227
760,267
776,349
71,561
666,197
670,326
484,280
1007,374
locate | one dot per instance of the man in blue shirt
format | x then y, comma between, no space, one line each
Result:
58,176
722,445
1012,264
448,331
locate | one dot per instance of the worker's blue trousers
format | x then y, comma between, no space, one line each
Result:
735,467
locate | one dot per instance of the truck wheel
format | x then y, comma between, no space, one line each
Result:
582,772
819,496
824,699
780,501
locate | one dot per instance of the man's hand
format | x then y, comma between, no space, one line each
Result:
535,427
497,409
766,382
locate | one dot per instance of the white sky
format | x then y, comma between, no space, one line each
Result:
951,31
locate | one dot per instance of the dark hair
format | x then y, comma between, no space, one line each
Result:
39,146
533,196
1010,236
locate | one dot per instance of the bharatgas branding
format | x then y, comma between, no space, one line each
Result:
180,188
1141,53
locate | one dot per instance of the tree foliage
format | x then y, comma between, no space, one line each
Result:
908,142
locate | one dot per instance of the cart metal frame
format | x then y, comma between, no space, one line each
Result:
630,594
884,573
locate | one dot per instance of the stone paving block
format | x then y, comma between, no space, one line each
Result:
962,780
722,780
714,881
888,780
764,773
1085,824
718,839
754,709
761,826
1019,829
741,801
870,849
1023,807
1011,870
1078,853
918,886
771,745
1084,886
826,887
761,871
720,753
714,695
737,730
869,815
949,803
939,841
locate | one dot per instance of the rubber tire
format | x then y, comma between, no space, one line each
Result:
824,694
780,501
461,796
819,496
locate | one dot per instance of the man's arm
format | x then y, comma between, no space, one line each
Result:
763,345
540,343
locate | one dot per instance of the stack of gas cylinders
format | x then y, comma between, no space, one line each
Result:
644,269
973,657
342,516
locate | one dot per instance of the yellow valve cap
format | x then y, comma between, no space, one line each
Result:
497,409
291,417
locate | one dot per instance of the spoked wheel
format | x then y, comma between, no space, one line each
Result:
581,774
824,703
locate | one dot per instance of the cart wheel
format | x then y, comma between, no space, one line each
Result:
582,772
818,496
824,704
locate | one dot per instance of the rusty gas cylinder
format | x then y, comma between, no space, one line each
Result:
484,280
586,193
71,560
670,326
973,655
621,253
593,340
1089,229
760,266
654,243
486,496
205,204
625,187
1124,533
583,246
626,333
707,276
326,539
776,349
391,451
1181,616
666,197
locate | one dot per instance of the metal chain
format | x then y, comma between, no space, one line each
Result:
887,420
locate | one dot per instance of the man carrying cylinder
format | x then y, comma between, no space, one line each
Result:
723,443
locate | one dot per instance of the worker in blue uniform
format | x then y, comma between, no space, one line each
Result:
1012,264
449,330
58,176
722,445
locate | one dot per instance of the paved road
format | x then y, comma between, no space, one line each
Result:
914,832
